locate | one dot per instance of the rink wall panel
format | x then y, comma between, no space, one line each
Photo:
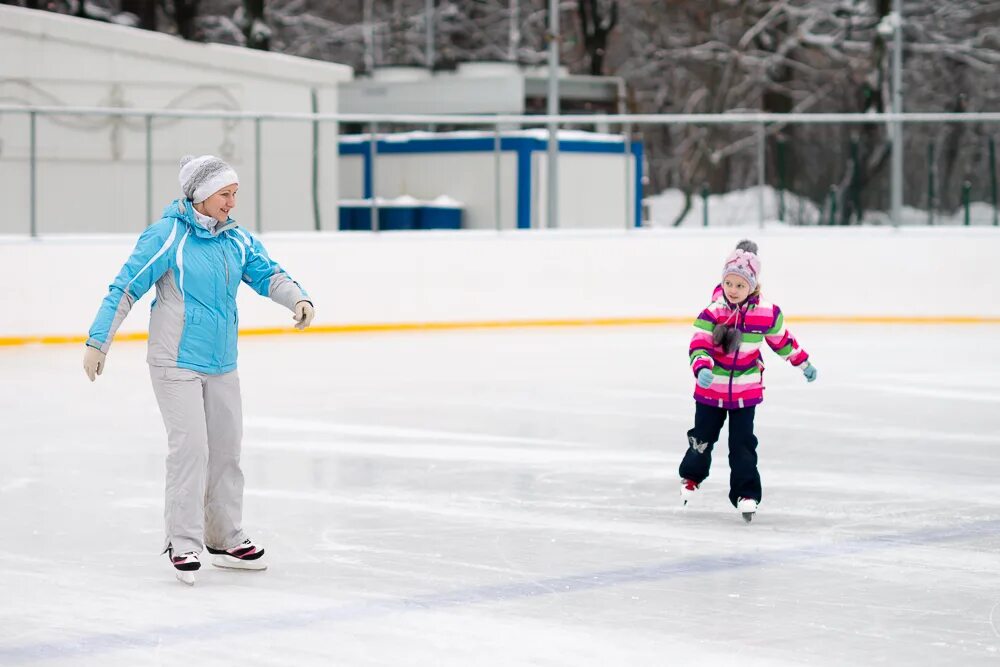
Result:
55,284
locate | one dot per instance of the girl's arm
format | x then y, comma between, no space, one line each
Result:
700,350
783,342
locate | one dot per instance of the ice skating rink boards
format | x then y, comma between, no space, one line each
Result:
510,497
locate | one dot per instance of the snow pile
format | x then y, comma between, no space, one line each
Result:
742,208
731,209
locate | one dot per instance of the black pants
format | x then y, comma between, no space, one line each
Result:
744,480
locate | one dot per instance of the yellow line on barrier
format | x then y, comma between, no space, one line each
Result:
893,319
520,324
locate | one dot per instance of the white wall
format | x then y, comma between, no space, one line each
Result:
592,190
467,177
456,94
91,170
56,285
351,177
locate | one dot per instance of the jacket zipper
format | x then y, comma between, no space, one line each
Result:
732,374
224,301
736,354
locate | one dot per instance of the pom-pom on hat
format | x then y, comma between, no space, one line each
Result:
201,177
744,262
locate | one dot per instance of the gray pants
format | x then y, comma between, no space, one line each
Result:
204,419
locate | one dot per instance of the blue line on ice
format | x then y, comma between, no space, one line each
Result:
159,637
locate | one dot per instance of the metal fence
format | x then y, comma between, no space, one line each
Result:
757,153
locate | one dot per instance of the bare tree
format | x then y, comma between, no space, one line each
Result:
184,14
513,29
29,4
397,50
596,29
255,29
145,10
801,55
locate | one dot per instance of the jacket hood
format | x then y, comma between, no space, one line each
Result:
183,210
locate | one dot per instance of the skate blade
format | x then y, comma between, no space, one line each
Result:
186,577
230,563
748,516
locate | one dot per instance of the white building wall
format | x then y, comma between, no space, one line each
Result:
467,177
351,177
91,170
457,94
592,190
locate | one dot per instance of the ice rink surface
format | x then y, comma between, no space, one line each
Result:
511,497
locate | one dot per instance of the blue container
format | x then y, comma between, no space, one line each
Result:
362,218
440,217
392,218
354,217
346,218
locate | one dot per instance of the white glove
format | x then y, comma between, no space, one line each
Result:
304,313
93,362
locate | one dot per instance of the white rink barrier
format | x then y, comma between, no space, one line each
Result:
401,280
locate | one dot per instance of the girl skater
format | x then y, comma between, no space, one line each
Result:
725,359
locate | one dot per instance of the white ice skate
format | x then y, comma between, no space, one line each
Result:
185,566
186,577
688,491
246,556
747,507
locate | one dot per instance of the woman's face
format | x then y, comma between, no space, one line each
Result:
220,203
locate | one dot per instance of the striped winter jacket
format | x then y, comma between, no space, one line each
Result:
738,378
193,321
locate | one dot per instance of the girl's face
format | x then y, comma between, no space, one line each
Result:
736,288
220,203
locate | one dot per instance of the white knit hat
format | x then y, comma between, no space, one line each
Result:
201,177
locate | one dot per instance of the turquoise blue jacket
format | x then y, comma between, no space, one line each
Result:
196,270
